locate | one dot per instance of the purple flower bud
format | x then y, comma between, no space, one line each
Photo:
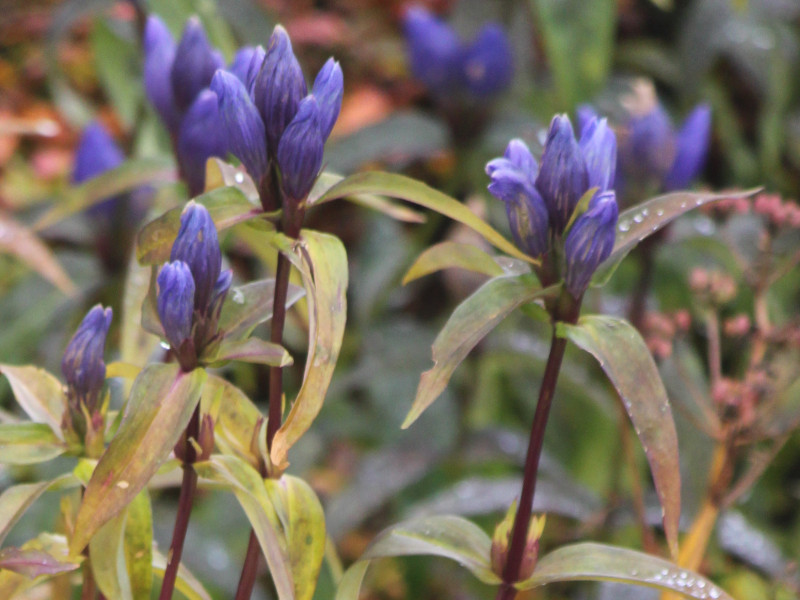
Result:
197,245
240,65
300,151
199,139
194,65
221,288
487,63
517,156
585,114
527,214
97,153
328,89
82,365
279,87
255,67
590,241
159,55
241,124
648,151
691,147
563,178
175,301
599,146
434,50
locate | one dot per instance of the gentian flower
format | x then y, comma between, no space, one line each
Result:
540,200
175,77
449,67
175,302
273,125
82,365
97,153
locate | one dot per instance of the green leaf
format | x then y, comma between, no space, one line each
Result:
227,207
33,563
139,545
55,546
130,175
643,220
322,261
186,583
378,203
251,350
446,255
250,304
598,562
470,322
28,443
107,554
406,188
441,535
236,421
303,522
249,489
19,241
15,500
623,355
39,394
579,44
116,60
159,408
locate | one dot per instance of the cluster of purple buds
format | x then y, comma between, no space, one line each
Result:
540,200
192,287
82,365
449,67
271,122
653,157
176,80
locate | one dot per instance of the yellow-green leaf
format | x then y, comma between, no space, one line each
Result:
139,546
159,408
15,500
252,350
250,304
236,420
39,394
446,255
107,558
28,443
322,260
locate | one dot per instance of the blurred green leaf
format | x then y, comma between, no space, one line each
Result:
303,523
470,322
15,500
13,584
131,174
406,188
250,304
107,555
32,563
322,261
161,402
374,202
28,443
623,355
117,61
236,419
139,545
251,350
39,394
599,562
445,255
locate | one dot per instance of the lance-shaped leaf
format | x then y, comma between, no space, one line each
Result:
39,394
107,553
442,535
623,355
33,563
128,176
599,562
136,344
406,188
236,419
18,240
28,443
378,203
227,207
322,260
303,522
186,583
139,546
252,350
250,304
159,408
12,584
15,500
248,487
470,322
643,220
447,255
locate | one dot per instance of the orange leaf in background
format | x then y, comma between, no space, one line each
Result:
364,106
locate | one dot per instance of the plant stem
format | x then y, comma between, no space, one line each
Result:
248,577
188,487
89,588
519,531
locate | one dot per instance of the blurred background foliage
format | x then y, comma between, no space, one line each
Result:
63,64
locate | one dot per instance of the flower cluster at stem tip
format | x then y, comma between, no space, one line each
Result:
271,122
192,287
447,66
541,200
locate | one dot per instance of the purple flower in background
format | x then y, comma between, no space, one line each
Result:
449,67
82,364
194,65
589,241
275,124
97,153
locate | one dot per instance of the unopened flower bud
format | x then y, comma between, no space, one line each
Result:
328,89
175,302
487,63
526,211
599,146
82,364
279,87
159,55
434,50
194,65
197,245
589,242
691,148
200,138
300,151
97,153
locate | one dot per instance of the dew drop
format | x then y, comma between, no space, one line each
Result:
238,296
165,345
660,212
638,218
683,205
624,226
714,593
239,178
